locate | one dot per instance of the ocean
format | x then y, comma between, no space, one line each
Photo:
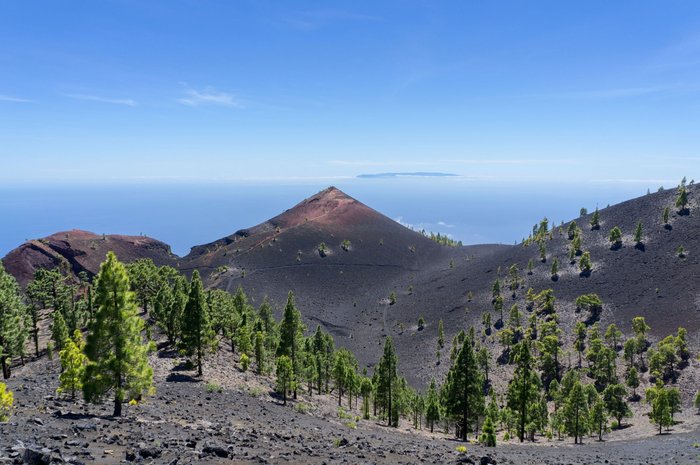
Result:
188,214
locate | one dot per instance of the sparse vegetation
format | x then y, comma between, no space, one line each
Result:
584,263
595,220
213,387
615,238
6,402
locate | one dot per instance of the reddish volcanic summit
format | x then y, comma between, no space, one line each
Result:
78,251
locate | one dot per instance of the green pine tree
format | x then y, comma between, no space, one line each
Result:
197,336
285,377
387,382
117,355
615,237
598,417
576,410
488,436
524,387
595,220
72,365
661,411
585,263
464,388
638,234
432,412
682,199
59,330
13,330
291,344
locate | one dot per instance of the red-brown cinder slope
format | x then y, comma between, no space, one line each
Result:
78,251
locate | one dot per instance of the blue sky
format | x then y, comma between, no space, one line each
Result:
594,91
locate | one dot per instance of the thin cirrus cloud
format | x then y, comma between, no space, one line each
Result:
96,98
209,96
315,19
12,99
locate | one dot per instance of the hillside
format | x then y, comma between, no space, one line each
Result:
368,256
76,251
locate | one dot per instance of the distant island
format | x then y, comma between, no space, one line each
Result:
417,174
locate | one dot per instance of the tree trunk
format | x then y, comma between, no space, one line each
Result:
117,406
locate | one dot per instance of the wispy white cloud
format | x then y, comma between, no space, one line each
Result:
96,98
314,19
209,96
379,163
10,98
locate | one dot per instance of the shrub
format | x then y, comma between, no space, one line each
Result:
421,323
213,387
345,245
392,298
6,402
615,237
302,407
680,251
322,249
245,362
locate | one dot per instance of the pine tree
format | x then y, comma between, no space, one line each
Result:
13,331
632,380
285,377
638,234
615,237
343,372
366,389
696,402
576,243
576,410
143,276
6,402
72,364
555,269
595,220
441,335
387,389
59,330
658,397
585,263
598,417
291,339
464,388
432,412
612,336
488,436
682,199
580,340
117,356
614,396
197,336
524,388
260,352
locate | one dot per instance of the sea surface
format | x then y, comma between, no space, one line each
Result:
188,214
